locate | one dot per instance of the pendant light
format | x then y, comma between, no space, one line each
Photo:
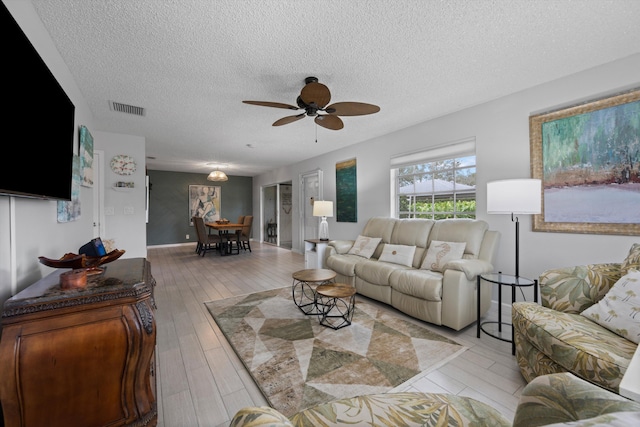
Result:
217,175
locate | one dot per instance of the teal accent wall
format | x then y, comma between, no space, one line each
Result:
169,204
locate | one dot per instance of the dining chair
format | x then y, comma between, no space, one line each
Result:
206,241
244,234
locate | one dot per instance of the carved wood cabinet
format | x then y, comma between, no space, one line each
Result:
81,357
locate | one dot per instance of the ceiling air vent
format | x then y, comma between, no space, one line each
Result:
125,108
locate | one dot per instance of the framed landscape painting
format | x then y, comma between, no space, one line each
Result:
588,158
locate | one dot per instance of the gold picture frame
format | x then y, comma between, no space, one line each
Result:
588,158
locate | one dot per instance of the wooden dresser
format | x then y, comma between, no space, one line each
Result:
81,357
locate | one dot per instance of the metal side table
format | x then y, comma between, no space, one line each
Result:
497,326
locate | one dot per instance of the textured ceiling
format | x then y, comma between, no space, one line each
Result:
190,63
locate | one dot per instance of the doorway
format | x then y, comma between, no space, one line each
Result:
277,215
98,194
310,190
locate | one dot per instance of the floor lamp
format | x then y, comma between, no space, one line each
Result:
514,196
323,209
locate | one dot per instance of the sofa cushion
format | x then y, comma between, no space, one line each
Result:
440,253
344,264
574,342
398,254
413,232
364,246
382,227
619,310
470,231
376,272
632,260
423,284
574,289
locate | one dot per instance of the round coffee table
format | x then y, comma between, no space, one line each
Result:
338,302
303,287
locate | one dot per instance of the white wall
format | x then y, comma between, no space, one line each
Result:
127,223
501,129
29,228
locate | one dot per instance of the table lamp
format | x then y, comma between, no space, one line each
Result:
514,196
323,209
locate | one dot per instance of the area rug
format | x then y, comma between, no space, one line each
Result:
298,363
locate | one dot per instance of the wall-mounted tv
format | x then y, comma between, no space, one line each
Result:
37,121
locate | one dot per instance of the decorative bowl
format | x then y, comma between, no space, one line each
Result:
75,261
222,221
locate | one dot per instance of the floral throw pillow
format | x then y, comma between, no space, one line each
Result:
365,246
398,254
440,253
619,309
632,260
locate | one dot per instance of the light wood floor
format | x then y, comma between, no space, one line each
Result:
201,382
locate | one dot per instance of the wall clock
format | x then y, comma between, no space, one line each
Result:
123,164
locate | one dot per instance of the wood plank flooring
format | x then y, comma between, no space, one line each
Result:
201,381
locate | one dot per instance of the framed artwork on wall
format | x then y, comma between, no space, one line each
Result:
86,157
346,191
588,158
204,201
69,210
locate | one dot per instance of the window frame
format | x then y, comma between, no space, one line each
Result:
435,162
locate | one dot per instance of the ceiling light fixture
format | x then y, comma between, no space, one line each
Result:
217,175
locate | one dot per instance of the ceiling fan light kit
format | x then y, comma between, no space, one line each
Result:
313,99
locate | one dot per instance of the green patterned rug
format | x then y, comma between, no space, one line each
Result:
298,363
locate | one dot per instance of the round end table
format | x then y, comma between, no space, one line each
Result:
337,302
302,288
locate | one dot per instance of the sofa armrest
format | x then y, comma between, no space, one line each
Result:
257,416
563,398
470,267
340,247
574,289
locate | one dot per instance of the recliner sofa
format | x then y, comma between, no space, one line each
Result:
444,297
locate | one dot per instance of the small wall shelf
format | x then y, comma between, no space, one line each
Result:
123,186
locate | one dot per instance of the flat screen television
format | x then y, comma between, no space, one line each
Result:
37,121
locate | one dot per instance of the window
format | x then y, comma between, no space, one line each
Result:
436,184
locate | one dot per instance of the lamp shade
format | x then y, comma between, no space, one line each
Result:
322,208
514,196
217,175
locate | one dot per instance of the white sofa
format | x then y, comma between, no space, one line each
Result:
443,298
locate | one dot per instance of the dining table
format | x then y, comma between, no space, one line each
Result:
223,230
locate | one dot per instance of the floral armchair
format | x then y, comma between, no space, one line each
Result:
558,400
558,336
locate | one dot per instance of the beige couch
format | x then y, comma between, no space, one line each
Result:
558,399
446,297
555,337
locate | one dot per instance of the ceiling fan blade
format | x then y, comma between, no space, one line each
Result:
288,119
272,104
315,93
329,122
351,109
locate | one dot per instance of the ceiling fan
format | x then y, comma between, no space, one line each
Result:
314,98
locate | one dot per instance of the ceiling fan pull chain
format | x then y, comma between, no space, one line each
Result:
316,133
